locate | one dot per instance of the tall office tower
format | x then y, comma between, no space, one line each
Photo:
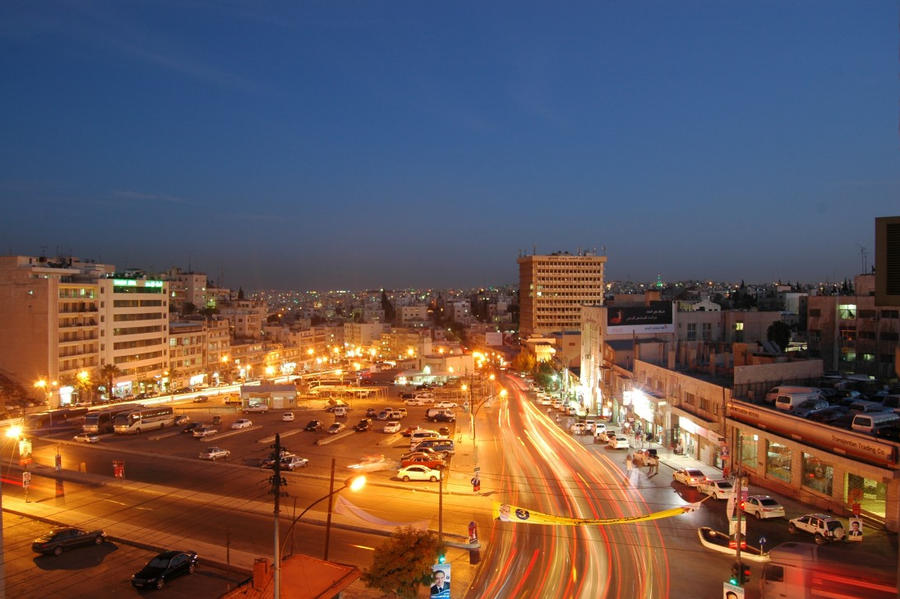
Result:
553,288
887,261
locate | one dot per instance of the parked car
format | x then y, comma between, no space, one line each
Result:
617,442
336,428
57,540
287,416
87,438
241,423
418,472
191,427
214,453
293,462
427,451
363,425
433,462
269,462
823,527
445,404
829,415
578,428
313,426
763,506
182,419
719,488
204,431
689,476
415,401
392,427
371,413
164,567
808,406
443,417
201,399
444,431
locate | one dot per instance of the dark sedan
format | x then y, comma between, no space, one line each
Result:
58,540
191,427
164,567
313,426
363,425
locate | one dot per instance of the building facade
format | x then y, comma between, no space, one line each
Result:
553,288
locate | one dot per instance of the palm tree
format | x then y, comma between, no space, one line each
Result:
108,373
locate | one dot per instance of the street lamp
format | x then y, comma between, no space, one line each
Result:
13,432
354,483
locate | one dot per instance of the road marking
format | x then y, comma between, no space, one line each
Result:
146,509
113,501
165,436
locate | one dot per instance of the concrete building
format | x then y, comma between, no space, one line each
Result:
187,353
411,316
186,288
852,333
134,329
553,288
246,318
887,261
50,321
363,334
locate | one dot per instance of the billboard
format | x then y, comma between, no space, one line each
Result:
639,320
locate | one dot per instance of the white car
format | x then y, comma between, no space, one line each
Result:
445,404
287,417
720,489
336,428
214,453
392,427
414,401
689,476
763,506
823,527
293,462
578,428
418,472
241,423
87,438
618,442
204,431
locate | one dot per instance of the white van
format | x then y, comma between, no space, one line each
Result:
872,422
788,401
421,435
773,393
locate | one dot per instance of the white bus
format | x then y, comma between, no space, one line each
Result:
143,419
101,421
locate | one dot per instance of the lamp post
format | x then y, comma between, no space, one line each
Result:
13,432
354,483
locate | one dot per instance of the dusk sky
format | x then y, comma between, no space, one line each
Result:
394,144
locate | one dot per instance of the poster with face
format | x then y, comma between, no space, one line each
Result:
856,530
440,581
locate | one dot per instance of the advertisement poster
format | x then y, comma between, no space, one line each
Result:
731,591
440,581
629,320
856,530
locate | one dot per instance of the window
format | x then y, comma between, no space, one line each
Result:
847,311
817,475
692,331
773,573
747,443
778,461
890,313
707,331
867,313
815,312
888,336
739,326
869,494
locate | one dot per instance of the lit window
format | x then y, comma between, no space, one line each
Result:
739,326
847,311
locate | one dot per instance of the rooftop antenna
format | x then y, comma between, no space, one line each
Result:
534,250
862,257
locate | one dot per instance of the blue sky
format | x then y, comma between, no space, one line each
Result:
368,144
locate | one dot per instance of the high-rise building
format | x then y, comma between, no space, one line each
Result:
887,261
552,289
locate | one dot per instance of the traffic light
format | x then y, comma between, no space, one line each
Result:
745,574
735,574
442,558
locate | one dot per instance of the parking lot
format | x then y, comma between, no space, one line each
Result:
93,571
250,446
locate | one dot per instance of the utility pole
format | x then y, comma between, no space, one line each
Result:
330,505
441,507
277,483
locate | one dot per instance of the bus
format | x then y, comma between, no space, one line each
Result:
100,421
805,571
143,419
64,419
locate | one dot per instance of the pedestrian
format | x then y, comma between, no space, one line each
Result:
629,465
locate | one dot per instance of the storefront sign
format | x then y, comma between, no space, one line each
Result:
856,445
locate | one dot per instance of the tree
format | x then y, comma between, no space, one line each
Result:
403,563
188,308
108,374
524,361
779,332
389,313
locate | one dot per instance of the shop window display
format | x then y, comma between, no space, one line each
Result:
817,475
748,443
778,461
868,493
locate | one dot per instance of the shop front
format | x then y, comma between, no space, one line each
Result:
647,413
698,439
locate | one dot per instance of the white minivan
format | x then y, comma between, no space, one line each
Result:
790,400
774,392
873,421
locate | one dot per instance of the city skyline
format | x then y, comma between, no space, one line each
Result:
356,147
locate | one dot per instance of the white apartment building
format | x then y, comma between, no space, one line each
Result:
187,288
413,315
134,329
553,288
246,318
